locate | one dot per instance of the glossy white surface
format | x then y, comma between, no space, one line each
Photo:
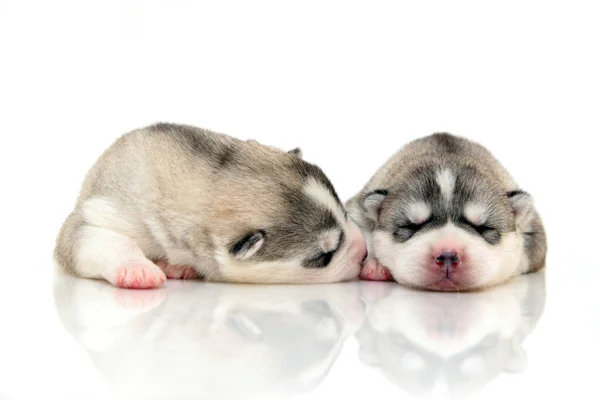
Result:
86,339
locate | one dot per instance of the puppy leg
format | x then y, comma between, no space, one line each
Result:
372,270
102,253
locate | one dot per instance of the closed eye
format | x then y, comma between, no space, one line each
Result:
414,226
324,258
321,261
407,230
489,234
479,228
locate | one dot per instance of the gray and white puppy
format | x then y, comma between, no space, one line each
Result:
176,201
444,214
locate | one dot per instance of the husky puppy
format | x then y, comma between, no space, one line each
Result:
176,201
444,214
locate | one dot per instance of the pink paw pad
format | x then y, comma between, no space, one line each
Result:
139,275
373,271
177,271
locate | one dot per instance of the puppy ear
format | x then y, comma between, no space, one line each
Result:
372,203
522,205
297,152
246,246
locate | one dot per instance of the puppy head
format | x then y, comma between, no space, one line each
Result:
449,228
290,228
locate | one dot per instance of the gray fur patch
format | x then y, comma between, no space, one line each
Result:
421,185
297,230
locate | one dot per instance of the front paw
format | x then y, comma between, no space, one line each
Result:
372,270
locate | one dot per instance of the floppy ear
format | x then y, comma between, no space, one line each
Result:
246,246
372,203
522,205
297,152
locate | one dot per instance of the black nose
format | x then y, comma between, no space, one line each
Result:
447,259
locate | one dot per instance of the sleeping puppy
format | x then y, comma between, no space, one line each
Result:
444,214
176,201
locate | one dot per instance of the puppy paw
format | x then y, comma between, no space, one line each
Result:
137,274
372,270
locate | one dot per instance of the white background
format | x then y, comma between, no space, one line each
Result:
350,82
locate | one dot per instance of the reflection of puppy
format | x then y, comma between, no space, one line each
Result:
232,341
444,214
422,339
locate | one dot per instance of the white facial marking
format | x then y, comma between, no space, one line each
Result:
322,196
476,213
446,181
418,212
329,240
411,263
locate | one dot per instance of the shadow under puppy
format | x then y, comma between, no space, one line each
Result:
444,214
176,201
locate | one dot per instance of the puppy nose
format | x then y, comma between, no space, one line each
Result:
447,259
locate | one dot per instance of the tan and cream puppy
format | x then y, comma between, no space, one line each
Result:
444,214
176,201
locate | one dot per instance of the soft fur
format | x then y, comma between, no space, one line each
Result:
191,202
441,195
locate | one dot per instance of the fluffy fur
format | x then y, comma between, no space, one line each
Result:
191,202
444,214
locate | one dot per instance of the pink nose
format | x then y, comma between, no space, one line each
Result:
448,259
